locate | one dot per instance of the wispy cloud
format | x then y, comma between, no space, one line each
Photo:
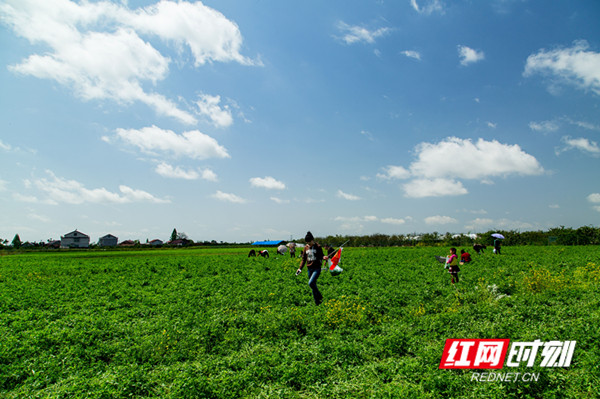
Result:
59,190
484,224
420,188
228,197
438,219
544,126
394,221
346,196
278,200
4,146
352,34
582,144
154,140
166,170
427,6
412,54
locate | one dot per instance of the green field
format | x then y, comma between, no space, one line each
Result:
213,323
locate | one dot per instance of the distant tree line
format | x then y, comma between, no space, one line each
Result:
585,235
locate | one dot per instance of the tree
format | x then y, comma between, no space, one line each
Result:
174,235
16,242
182,236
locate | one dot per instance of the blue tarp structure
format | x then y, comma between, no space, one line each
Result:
268,243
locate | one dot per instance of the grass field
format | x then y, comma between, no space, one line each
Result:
213,323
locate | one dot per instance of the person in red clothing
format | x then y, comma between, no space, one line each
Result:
465,257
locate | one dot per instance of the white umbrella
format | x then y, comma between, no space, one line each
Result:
498,235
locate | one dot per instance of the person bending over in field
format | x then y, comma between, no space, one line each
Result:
264,253
312,257
465,257
479,248
452,265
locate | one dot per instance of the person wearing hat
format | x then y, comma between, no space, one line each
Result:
312,257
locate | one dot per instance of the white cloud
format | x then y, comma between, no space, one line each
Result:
279,200
209,106
227,197
209,34
367,134
60,190
39,218
574,65
462,159
469,56
439,167
83,40
481,224
5,147
420,188
430,6
594,198
192,144
544,126
492,125
394,172
208,174
267,182
168,171
393,221
412,54
585,125
346,196
581,144
355,219
356,34
438,219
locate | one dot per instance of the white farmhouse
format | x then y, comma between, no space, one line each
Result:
108,241
75,239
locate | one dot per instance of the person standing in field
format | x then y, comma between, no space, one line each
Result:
452,265
312,257
497,246
292,246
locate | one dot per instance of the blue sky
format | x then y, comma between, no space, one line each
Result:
251,120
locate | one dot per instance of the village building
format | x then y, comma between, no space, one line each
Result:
108,241
75,239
